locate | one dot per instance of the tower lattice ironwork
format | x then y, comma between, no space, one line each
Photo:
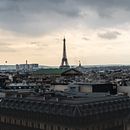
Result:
64,62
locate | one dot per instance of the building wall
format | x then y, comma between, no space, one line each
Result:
2,94
124,89
10,123
26,67
60,87
85,89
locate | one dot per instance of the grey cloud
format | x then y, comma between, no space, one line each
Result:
38,17
105,3
105,8
85,38
109,35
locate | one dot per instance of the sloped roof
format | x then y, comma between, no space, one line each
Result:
72,71
69,108
50,71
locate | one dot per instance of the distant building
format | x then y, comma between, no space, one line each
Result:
3,81
7,68
91,88
55,72
71,72
26,67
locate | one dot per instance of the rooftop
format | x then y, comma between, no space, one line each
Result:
78,105
50,71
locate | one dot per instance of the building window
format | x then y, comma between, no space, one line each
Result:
58,128
14,121
9,120
38,125
4,120
51,127
20,122
32,124
45,127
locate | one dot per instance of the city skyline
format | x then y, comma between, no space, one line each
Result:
96,31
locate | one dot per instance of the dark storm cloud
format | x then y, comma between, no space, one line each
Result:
109,35
35,17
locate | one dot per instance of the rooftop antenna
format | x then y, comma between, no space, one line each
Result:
26,62
79,63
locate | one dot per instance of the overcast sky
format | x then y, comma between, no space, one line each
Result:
96,31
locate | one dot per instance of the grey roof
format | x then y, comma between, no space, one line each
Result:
68,107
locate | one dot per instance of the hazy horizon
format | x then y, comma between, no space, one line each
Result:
43,65
96,31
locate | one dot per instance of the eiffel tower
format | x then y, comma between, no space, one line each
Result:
64,62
